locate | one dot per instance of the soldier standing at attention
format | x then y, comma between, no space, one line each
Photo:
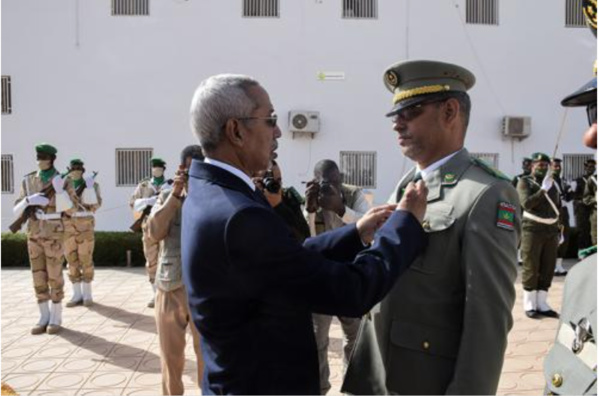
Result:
566,194
79,232
589,198
539,197
443,327
45,235
172,311
581,211
142,200
526,165
571,366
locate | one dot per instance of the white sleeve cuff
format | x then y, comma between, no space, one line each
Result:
20,207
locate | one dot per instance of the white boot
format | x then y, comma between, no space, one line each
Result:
542,307
530,303
41,325
77,297
152,302
55,318
88,301
559,269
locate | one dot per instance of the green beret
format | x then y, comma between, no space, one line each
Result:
158,162
537,157
45,148
527,159
415,81
556,159
76,161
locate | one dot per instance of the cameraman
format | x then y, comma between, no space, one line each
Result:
331,204
286,202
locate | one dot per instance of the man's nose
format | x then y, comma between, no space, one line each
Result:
278,133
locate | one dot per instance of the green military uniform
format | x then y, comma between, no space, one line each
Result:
581,211
79,235
45,238
570,368
589,198
290,210
566,194
443,327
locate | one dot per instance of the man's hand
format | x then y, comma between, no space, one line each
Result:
312,191
547,182
179,181
373,220
414,200
332,200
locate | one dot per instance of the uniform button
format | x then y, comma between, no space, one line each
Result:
426,225
426,345
557,380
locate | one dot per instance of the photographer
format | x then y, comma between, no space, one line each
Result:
332,204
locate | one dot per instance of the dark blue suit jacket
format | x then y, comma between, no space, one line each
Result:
252,287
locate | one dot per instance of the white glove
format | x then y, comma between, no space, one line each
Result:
89,182
141,203
38,199
547,182
58,184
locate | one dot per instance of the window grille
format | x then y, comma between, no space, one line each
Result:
6,95
360,9
130,7
8,175
261,8
490,158
574,14
132,165
482,12
573,165
358,168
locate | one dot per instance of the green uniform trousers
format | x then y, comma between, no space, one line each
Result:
539,253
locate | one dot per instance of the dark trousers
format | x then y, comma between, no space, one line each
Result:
539,253
583,224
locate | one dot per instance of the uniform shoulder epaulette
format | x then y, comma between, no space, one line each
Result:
489,169
584,253
30,174
147,179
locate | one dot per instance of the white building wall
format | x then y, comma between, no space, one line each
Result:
89,82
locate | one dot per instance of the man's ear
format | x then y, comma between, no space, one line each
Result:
451,110
234,133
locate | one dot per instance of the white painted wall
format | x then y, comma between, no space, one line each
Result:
88,82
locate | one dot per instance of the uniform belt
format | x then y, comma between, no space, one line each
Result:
82,214
48,216
542,220
587,354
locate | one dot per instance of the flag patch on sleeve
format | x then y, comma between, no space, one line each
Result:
506,214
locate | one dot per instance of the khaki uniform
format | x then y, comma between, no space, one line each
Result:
79,236
45,239
443,327
172,310
145,189
356,206
570,366
589,198
540,233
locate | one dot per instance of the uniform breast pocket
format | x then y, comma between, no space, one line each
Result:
170,271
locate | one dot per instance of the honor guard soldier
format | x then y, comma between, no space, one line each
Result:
79,227
589,198
443,327
581,211
41,200
142,200
526,165
540,199
566,194
571,366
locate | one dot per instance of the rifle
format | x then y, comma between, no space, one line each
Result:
136,226
29,211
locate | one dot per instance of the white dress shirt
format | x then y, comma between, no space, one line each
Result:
233,170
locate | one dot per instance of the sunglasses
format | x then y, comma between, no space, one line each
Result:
270,121
411,113
592,113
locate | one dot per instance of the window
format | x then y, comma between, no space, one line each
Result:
483,12
130,7
360,9
6,95
574,14
573,165
358,168
132,165
261,8
490,158
8,175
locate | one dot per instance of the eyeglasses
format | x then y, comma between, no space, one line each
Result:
411,113
592,113
270,121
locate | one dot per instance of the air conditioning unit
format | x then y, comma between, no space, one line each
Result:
304,122
516,127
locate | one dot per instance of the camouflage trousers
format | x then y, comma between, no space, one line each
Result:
151,252
45,248
79,248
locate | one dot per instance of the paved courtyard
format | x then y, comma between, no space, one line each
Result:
112,348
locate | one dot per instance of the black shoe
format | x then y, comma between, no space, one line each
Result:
531,314
564,273
550,314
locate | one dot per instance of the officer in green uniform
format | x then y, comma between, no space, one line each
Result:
526,165
581,211
566,194
539,197
443,327
571,366
589,198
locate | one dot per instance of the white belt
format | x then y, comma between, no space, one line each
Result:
588,353
542,220
48,216
82,214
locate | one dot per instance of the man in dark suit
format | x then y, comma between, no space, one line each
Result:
252,287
